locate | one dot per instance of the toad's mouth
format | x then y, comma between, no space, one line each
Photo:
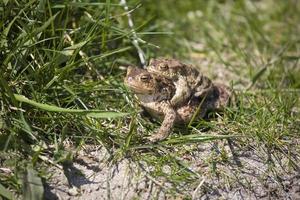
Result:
138,89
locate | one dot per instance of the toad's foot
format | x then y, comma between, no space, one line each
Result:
157,137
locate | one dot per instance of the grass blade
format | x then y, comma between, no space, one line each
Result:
197,138
5,193
33,187
51,108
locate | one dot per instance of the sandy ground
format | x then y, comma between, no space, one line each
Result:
92,176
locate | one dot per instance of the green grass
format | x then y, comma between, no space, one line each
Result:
61,79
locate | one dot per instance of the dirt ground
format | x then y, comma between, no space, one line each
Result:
91,176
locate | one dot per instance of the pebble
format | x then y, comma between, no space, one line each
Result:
74,191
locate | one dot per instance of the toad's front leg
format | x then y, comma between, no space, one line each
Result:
169,117
182,92
203,86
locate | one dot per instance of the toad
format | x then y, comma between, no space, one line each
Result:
187,80
154,94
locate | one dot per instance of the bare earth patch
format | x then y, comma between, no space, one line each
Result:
245,175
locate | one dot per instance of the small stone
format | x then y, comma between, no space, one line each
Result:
98,188
74,191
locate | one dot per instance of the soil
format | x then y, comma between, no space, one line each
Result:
92,176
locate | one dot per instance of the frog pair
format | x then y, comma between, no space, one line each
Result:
172,91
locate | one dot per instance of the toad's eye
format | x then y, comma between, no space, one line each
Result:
145,78
163,67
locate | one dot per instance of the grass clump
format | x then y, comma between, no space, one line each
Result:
60,72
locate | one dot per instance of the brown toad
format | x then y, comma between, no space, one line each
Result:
154,93
188,80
